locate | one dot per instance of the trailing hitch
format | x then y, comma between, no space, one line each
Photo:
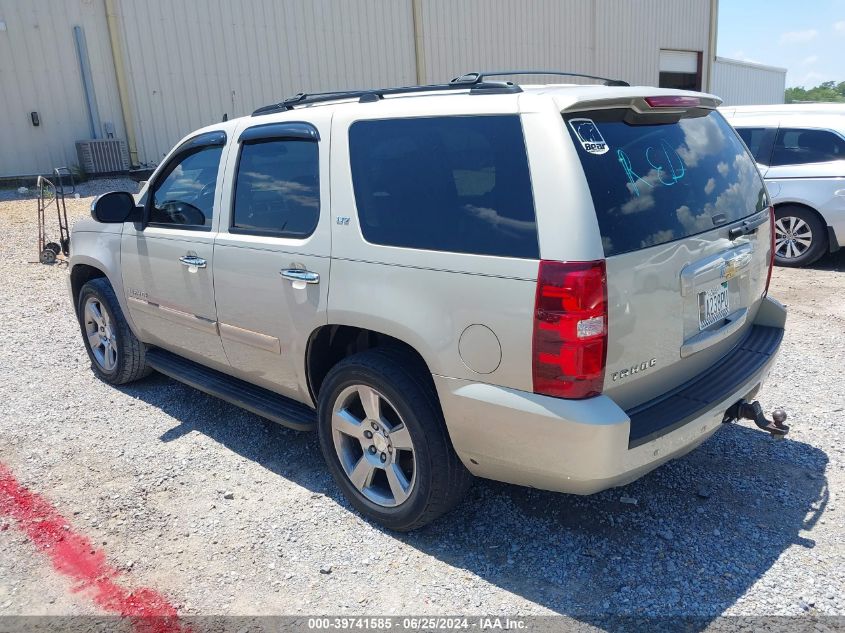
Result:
744,410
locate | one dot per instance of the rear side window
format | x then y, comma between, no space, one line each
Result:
458,184
798,147
653,183
276,189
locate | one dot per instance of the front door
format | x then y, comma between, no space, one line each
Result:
271,255
167,266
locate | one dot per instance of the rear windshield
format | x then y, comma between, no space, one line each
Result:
655,183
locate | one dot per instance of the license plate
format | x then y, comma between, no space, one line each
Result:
713,305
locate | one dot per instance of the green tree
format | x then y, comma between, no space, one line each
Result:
825,92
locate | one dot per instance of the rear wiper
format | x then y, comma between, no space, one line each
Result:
746,228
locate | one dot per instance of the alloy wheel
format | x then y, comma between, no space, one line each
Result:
373,445
793,237
100,334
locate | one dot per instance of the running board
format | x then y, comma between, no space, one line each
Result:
258,400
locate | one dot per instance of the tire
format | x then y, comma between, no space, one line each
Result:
800,236
409,414
121,360
47,256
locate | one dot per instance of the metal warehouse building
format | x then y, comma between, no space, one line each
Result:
122,80
745,83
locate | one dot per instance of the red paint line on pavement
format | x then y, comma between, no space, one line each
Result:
74,555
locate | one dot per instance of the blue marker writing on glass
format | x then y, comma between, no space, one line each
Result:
668,173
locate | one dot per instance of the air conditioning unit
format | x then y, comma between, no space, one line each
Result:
102,155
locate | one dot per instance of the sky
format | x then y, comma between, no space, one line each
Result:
807,37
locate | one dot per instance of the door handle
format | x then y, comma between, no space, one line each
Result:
714,267
193,260
298,274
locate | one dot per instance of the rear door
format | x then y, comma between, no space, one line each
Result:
272,252
683,216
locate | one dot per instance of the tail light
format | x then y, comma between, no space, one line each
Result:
570,329
772,239
673,101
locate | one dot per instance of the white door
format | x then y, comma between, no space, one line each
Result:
167,265
271,255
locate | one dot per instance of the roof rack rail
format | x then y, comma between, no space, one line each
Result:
474,81
375,94
480,76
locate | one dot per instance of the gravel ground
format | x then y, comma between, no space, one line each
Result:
742,526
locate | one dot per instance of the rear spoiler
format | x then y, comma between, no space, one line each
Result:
662,104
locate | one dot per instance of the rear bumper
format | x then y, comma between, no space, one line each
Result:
584,446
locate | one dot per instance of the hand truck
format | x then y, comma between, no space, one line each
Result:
51,195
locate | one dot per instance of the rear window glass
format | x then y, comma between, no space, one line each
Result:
655,183
458,184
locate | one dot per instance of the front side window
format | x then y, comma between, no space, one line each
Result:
798,147
656,182
277,188
184,196
457,183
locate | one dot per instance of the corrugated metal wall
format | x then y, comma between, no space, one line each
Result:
742,83
603,37
190,61
39,72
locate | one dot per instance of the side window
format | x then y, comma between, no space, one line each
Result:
185,194
277,188
458,184
754,137
798,147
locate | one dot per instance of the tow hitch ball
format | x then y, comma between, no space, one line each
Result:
753,411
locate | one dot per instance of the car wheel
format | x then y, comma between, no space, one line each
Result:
117,356
800,236
382,434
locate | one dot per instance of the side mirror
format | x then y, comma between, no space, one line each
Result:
115,207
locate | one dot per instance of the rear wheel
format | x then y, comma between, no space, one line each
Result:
117,356
800,236
383,436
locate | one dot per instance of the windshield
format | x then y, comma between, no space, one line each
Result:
653,183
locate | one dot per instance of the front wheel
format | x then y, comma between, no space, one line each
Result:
382,434
117,356
800,236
